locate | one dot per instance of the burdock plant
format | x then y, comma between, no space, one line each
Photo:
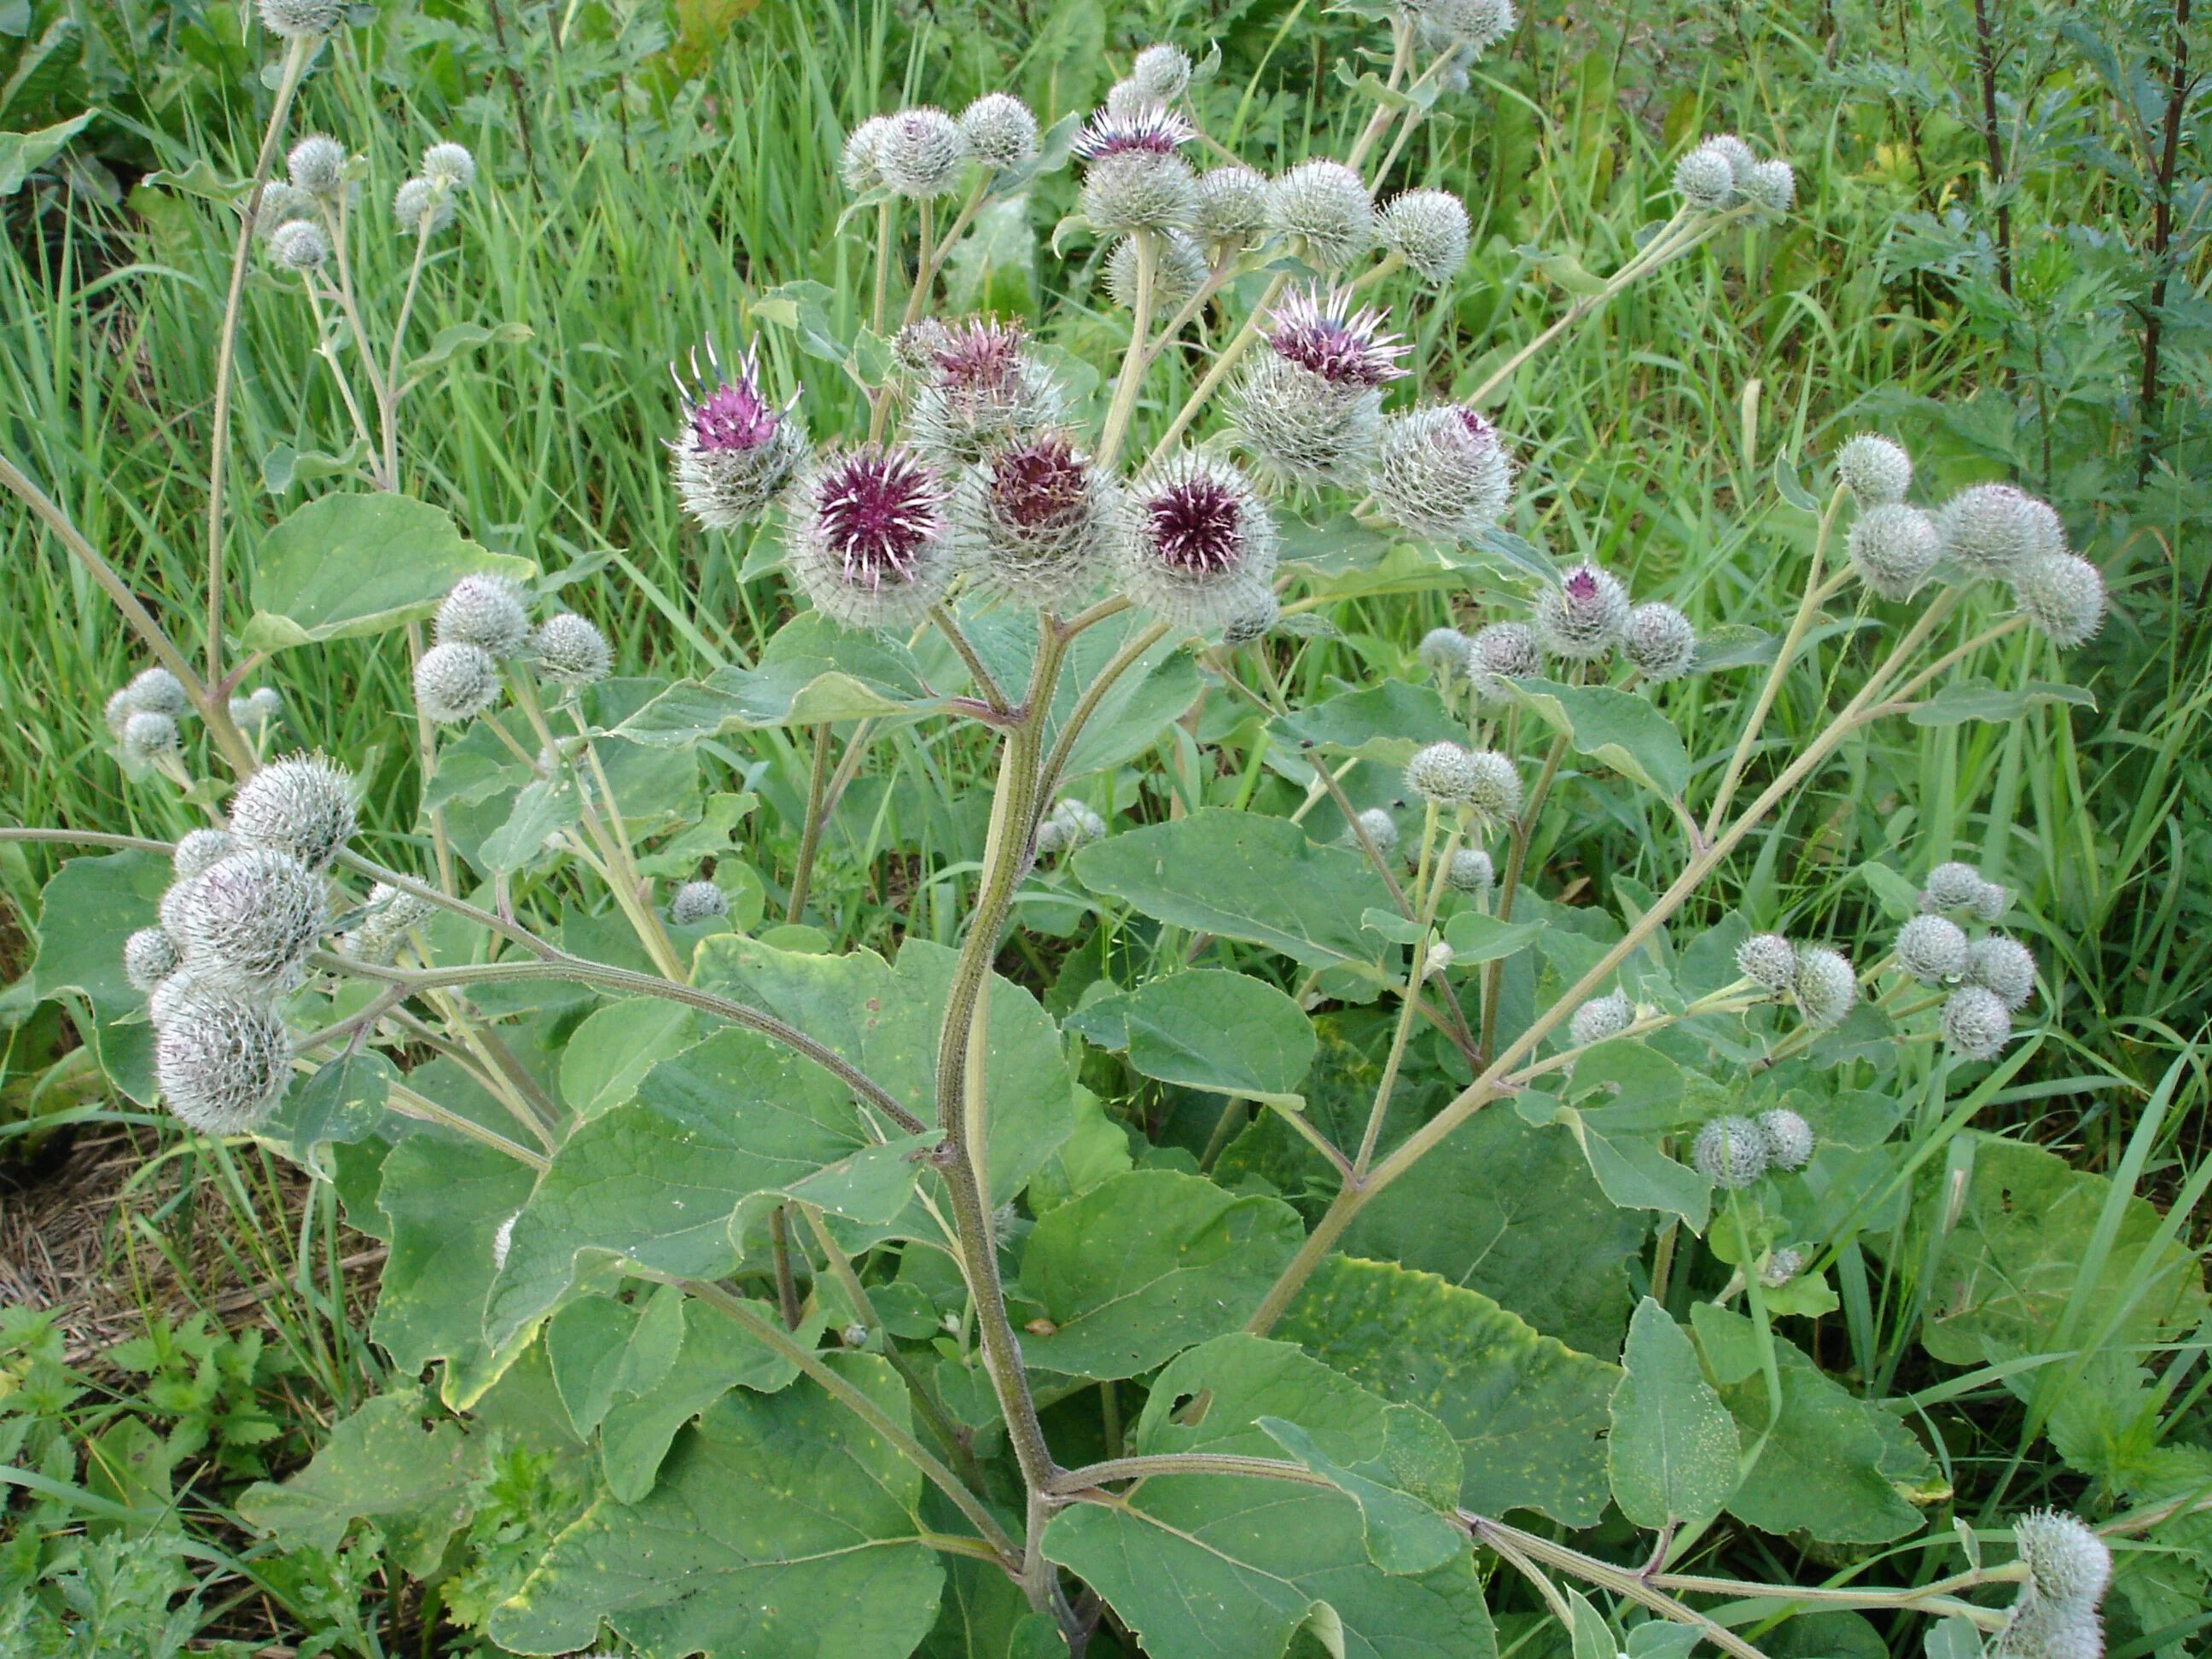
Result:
661,1131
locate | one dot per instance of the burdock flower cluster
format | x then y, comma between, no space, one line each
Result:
1734,1152
1989,975
483,628
1583,621
248,906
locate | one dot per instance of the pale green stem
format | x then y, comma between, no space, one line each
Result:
1131,377
1231,354
810,833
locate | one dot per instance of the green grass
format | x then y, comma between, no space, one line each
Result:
1649,440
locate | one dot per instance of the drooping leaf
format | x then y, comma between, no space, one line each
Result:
1628,1096
87,908
359,563
1474,936
723,1557
1406,1492
1246,876
459,338
1205,1567
1827,1464
1211,1029
379,1465
812,671
668,1180
1528,1413
1673,1449
1147,1263
1512,1211
1383,723
22,154
1616,727
1957,702
884,1018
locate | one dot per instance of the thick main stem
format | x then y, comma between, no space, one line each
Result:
810,833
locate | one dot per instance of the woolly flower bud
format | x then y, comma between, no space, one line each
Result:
1894,547
1952,887
149,956
1768,961
299,245
302,19
1444,653
1789,1139
1770,187
1495,793
736,449
1326,207
455,683
201,850
1000,130
1704,178
2000,964
857,164
1993,529
1976,1022
1126,97
1583,617
1470,871
1441,473
1300,427
1133,178
449,164
1601,1018
263,706
1932,949
2063,596
1475,25
1876,471
1783,1265
1029,522
250,921
696,901
1660,641
919,151
1825,986
222,1062
1178,271
154,691
316,164
1231,211
1501,652
866,538
570,651
1193,543
1428,229
1380,828
421,208
389,917
1074,824
302,804
485,611
1437,961
1162,72
1738,154
2066,1561
1254,623
148,736
1731,1151
982,388
281,203
1992,901
1443,772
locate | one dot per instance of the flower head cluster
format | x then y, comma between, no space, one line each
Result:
1723,174
736,449
1734,1150
386,921
866,540
424,204
1818,979
982,388
1070,825
1997,532
2068,1569
1582,618
484,621
145,719
1991,977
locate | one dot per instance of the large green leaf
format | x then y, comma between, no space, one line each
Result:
2011,1264
1829,1464
1211,1029
668,1180
1957,702
86,910
1149,697
1247,877
1384,723
607,1054
1673,1448
22,154
1208,1567
1617,727
360,563
812,671
884,1018
1528,1413
445,1201
1628,1096
379,1465
782,1528
1512,1211
1144,1265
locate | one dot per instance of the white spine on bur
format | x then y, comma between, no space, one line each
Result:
250,921
1788,1138
455,683
1825,984
1931,948
2055,1616
302,804
222,1062
1768,961
487,612
1876,471
696,901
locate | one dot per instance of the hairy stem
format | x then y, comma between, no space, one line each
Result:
1231,354
810,833
1133,360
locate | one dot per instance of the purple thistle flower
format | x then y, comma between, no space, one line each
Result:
1147,128
982,354
1030,521
1196,545
736,449
1323,334
866,540
1197,524
1040,483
